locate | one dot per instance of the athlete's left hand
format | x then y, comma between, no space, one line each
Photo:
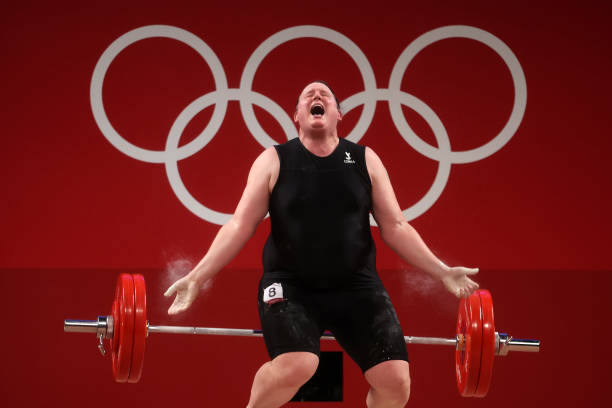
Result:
458,283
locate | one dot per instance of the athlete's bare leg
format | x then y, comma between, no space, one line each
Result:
389,384
277,381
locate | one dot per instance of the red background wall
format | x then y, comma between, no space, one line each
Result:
76,211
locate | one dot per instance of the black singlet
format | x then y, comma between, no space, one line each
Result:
319,211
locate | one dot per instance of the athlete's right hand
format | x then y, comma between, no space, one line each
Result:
186,292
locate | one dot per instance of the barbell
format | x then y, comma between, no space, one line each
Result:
126,329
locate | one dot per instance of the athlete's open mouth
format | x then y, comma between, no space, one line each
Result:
317,110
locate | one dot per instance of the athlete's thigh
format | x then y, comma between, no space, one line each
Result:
367,327
288,321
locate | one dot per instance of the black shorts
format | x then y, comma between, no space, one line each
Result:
363,321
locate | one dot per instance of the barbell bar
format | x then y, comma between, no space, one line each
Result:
476,341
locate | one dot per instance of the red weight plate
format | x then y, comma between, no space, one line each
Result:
140,328
488,344
473,369
462,353
114,341
124,338
114,344
467,361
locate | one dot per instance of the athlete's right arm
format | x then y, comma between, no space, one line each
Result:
232,236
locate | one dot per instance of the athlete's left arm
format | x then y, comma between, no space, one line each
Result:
400,236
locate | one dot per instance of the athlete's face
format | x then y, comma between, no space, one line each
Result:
317,108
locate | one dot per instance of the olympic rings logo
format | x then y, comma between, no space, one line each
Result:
369,97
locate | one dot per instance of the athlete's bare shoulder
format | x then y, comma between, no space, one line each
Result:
267,165
374,164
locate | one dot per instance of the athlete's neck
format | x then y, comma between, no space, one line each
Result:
319,145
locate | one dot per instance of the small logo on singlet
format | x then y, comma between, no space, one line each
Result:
348,159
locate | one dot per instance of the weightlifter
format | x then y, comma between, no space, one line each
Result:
320,260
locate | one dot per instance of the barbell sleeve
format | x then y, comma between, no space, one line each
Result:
505,343
80,326
103,326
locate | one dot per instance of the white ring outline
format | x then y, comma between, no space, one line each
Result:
518,79
107,57
369,97
178,127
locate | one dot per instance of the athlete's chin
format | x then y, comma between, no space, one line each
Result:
318,125
317,131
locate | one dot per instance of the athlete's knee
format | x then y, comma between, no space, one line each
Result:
399,387
294,369
391,380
